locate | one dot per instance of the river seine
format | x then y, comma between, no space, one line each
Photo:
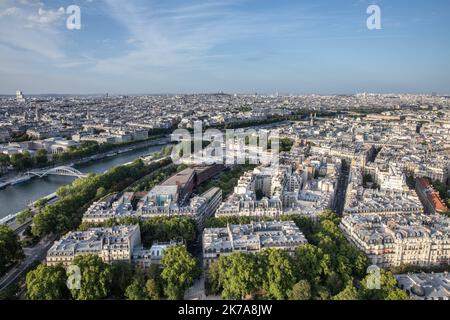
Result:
16,198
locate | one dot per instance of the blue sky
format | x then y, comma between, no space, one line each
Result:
237,46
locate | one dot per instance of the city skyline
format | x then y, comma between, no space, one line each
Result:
231,46
240,154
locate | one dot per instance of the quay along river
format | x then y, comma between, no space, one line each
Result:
17,197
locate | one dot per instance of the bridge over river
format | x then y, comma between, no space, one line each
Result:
15,198
58,171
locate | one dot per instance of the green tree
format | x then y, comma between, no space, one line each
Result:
349,293
154,274
388,287
286,144
18,161
322,293
95,278
397,294
47,283
330,215
24,216
280,274
179,271
10,250
165,229
329,261
5,161
27,160
166,151
122,275
310,263
136,290
212,281
41,157
101,192
301,291
242,275
152,289
334,282
40,204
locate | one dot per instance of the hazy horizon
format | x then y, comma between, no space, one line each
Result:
236,46
219,92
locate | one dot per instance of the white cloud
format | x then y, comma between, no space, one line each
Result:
46,17
9,12
31,29
183,35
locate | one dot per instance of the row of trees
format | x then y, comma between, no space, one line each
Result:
24,216
89,148
155,229
23,161
325,268
66,213
20,137
120,280
85,149
165,152
274,274
10,250
5,162
251,123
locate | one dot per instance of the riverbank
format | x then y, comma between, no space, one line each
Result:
17,178
18,197
10,219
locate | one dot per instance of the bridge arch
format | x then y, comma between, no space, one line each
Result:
59,171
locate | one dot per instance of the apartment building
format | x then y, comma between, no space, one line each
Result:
273,191
395,240
425,286
430,198
160,202
110,244
250,238
144,258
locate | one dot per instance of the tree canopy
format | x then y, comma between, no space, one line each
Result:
95,278
10,249
325,268
179,271
47,283
136,290
280,274
301,291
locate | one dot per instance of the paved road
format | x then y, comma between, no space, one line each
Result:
197,291
36,253
341,189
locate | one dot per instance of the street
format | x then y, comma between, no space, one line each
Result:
341,189
36,253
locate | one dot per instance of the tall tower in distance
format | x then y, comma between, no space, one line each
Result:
19,96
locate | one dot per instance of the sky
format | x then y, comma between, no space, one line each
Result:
234,46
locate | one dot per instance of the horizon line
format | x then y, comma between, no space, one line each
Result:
226,93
